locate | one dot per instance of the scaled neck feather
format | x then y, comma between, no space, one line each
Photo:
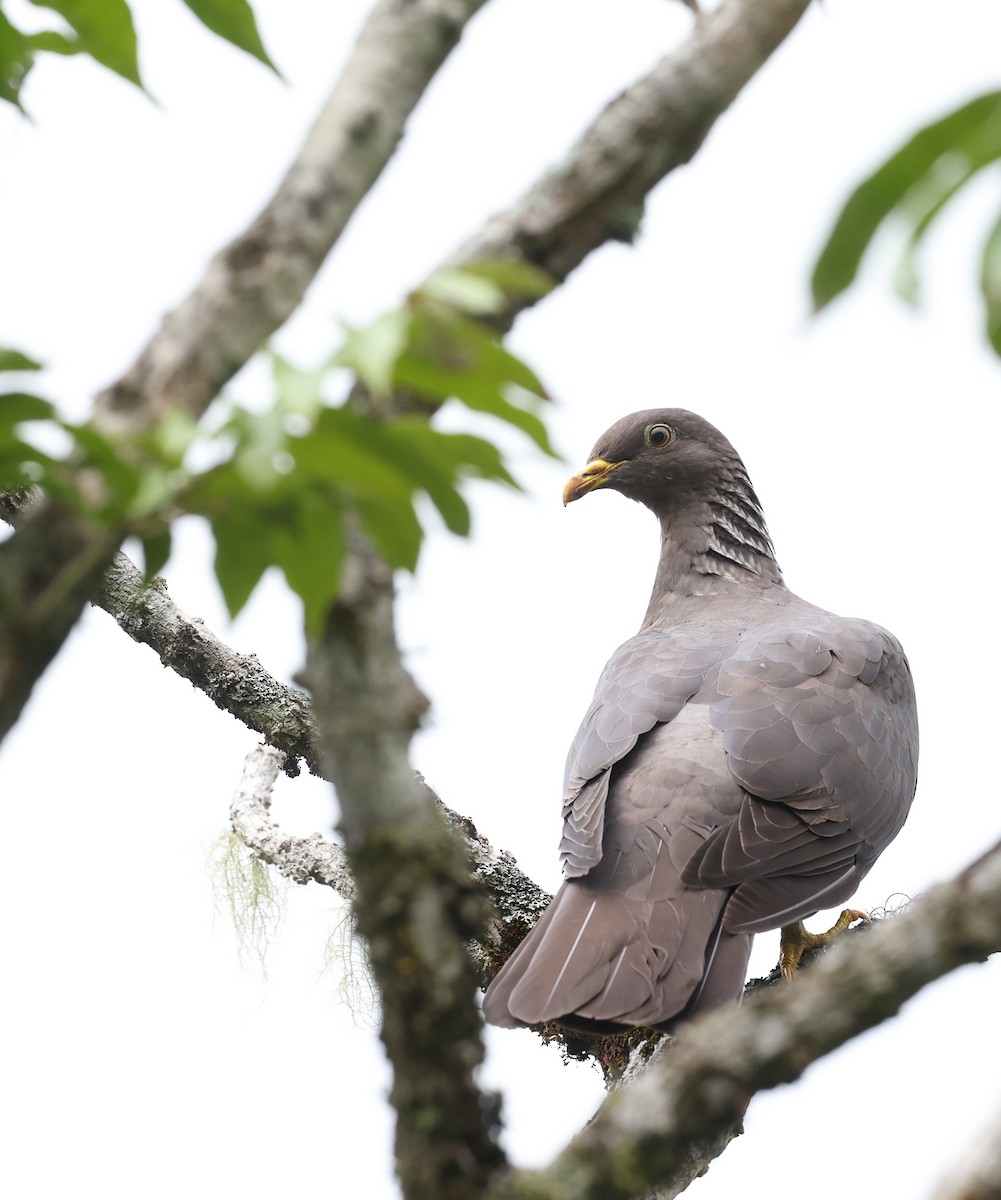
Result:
714,545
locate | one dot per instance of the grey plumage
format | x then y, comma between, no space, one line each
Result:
745,759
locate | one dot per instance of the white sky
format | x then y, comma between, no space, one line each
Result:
141,1057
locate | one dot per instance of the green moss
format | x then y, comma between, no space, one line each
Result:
246,889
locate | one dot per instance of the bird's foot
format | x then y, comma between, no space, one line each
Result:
796,939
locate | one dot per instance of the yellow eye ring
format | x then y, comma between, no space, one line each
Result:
657,437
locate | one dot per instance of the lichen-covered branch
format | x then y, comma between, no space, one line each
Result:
517,901
297,858
236,683
701,1086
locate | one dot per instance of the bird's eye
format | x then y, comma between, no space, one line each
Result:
658,436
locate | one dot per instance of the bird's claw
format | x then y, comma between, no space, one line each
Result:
796,939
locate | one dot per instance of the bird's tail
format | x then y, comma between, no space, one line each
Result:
598,960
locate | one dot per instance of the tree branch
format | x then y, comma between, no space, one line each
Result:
298,858
236,683
416,905
597,193
699,1088
52,564
256,282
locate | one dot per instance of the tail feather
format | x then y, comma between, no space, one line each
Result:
602,958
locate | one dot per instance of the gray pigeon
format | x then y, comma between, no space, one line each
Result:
745,759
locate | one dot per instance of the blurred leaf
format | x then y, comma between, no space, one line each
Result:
103,455
342,452
156,552
21,465
243,553
170,438
914,185
153,493
16,60
310,552
261,441
299,392
451,356
372,352
14,360
233,20
105,31
391,523
467,291
50,41
514,276
990,285
16,407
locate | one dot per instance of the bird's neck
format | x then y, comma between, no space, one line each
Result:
713,547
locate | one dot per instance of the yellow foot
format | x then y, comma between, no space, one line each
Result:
796,940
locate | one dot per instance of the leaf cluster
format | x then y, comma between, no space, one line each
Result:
104,29
286,486
912,188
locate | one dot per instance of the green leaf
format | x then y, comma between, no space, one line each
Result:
914,184
122,478
156,552
310,552
51,42
233,20
300,393
16,407
21,465
342,451
14,360
515,276
484,288
450,355
467,291
16,60
105,31
990,285
391,523
243,553
372,352
412,446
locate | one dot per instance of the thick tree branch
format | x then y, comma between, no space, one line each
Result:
256,282
416,905
701,1085
52,564
597,193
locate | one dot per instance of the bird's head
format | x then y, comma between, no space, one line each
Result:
660,457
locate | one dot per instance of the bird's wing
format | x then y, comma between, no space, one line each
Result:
646,683
820,730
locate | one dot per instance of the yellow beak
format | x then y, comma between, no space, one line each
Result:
594,475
